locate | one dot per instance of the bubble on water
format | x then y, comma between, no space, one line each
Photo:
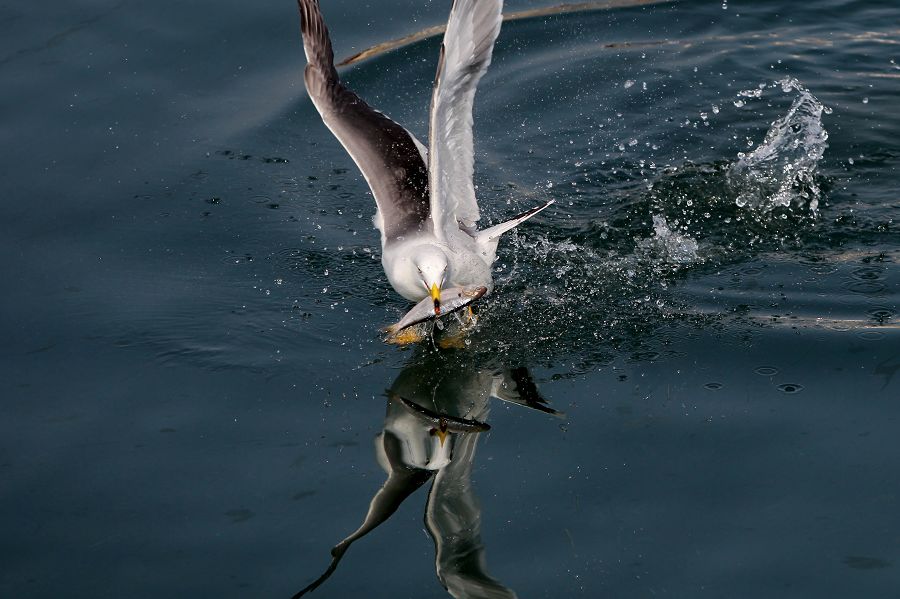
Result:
865,100
782,169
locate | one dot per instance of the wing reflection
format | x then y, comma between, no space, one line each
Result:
436,409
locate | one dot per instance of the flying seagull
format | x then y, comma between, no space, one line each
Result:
426,207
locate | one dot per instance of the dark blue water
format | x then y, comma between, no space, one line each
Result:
195,399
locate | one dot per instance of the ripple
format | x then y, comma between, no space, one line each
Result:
819,268
713,386
864,287
790,388
870,335
237,258
644,356
881,314
868,273
766,371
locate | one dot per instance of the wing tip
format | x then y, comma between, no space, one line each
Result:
316,45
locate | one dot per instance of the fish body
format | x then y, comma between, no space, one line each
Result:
452,299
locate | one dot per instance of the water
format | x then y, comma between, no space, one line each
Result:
196,400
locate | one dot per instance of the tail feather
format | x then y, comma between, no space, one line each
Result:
489,238
494,233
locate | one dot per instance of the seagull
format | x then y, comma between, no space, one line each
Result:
426,207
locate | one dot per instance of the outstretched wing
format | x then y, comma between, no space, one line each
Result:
389,157
465,56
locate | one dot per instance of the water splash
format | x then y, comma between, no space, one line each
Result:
782,169
671,247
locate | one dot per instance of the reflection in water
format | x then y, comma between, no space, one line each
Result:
436,409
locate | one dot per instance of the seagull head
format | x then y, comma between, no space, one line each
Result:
433,267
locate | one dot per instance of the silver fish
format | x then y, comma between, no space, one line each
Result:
442,422
452,299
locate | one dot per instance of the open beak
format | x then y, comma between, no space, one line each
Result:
435,292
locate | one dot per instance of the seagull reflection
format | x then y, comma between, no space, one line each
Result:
436,410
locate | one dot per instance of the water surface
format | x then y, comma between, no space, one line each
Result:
196,400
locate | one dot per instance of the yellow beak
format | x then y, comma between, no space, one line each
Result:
435,292
441,435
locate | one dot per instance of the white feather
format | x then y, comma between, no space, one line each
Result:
465,55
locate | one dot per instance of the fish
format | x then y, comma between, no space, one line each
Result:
441,424
452,299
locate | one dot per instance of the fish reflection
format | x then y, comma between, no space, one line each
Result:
436,410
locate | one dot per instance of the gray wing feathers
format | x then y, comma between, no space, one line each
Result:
465,55
386,153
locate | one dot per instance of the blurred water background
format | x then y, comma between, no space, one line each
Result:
195,399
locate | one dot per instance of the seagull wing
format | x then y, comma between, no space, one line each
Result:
465,56
389,157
